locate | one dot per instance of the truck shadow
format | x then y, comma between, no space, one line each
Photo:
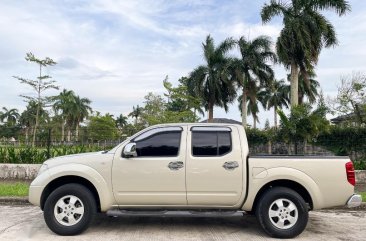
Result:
188,226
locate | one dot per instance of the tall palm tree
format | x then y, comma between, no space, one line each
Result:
121,121
63,106
304,34
276,96
310,91
136,113
253,66
10,116
255,94
81,111
211,81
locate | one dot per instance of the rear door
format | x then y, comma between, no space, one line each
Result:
214,166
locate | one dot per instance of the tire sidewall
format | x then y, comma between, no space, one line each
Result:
89,209
262,212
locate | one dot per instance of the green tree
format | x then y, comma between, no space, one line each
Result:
303,124
102,128
63,106
306,31
310,90
255,94
73,110
211,82
43,83
81,111
28,117
121,121
351,98
276,96
181,103
9,116
253,66
154,109
136,113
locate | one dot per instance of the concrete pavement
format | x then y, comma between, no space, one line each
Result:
26,223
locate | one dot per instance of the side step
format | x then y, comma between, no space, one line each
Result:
174,213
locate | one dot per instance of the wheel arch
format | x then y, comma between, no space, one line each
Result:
293,185
60,181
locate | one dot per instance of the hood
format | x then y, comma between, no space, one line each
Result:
82,158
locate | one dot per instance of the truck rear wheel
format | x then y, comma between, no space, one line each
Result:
69,209
282,212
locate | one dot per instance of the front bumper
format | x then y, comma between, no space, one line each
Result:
354,201
34,195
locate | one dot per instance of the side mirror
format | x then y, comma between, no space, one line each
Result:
130,150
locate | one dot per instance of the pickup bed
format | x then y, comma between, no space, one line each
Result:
197,168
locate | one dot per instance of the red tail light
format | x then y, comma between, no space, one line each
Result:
350,171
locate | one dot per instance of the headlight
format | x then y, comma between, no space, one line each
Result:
43,168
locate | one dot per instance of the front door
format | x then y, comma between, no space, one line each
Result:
156,176
214,166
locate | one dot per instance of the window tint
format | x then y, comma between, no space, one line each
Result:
204,143
210,143
224,142
160,144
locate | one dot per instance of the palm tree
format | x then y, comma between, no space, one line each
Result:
136,113
276,96
211,82
310,91
254,94
28,117
304,34
10,116
252,66
63,104
121,121
81,111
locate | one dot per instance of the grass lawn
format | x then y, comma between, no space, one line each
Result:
18,189
363,194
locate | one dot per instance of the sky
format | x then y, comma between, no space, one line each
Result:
115,52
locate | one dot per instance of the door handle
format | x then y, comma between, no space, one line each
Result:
230,165
175,165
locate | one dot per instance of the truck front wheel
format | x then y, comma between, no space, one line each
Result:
69,209
282,212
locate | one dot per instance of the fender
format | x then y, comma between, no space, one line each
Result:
90,174
283,173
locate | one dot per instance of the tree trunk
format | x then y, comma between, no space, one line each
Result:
38,107
254,122
69,134
62,131
244,108
294,85
275,116
37,121
77,131
210,112
301,98
26,135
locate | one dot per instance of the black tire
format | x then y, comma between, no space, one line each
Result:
87,201
289,229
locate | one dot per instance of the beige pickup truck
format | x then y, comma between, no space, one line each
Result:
193,168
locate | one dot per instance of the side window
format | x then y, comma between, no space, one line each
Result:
211,143
164,143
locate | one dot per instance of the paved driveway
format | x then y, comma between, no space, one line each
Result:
26,223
